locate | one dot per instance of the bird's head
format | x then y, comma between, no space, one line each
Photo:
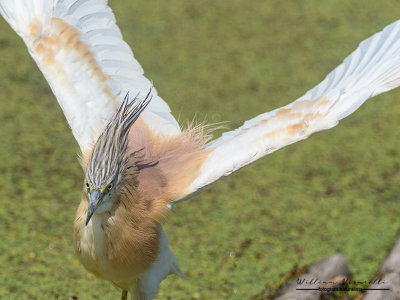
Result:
109,161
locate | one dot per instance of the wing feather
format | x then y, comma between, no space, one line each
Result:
79,48
373,68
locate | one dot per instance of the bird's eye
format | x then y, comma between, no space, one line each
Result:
109,187
88,187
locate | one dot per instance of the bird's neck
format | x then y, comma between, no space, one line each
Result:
117,245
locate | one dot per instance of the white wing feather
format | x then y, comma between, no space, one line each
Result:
79,48
373,68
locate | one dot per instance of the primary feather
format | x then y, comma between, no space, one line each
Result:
373,68
79,48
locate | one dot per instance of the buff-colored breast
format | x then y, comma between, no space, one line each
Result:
117,245
120,244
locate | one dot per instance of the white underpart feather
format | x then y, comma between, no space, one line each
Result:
165,264
373,68
88,93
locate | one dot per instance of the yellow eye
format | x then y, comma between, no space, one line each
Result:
107,188
89,187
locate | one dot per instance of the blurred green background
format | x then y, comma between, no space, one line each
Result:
221,61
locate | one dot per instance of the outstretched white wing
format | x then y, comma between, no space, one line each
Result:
373,68
79,48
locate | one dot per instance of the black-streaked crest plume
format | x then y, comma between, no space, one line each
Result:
108,152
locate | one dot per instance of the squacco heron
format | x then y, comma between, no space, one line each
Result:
137,161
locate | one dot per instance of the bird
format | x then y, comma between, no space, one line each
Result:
137,162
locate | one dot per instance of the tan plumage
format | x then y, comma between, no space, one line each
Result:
123,242
136,168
